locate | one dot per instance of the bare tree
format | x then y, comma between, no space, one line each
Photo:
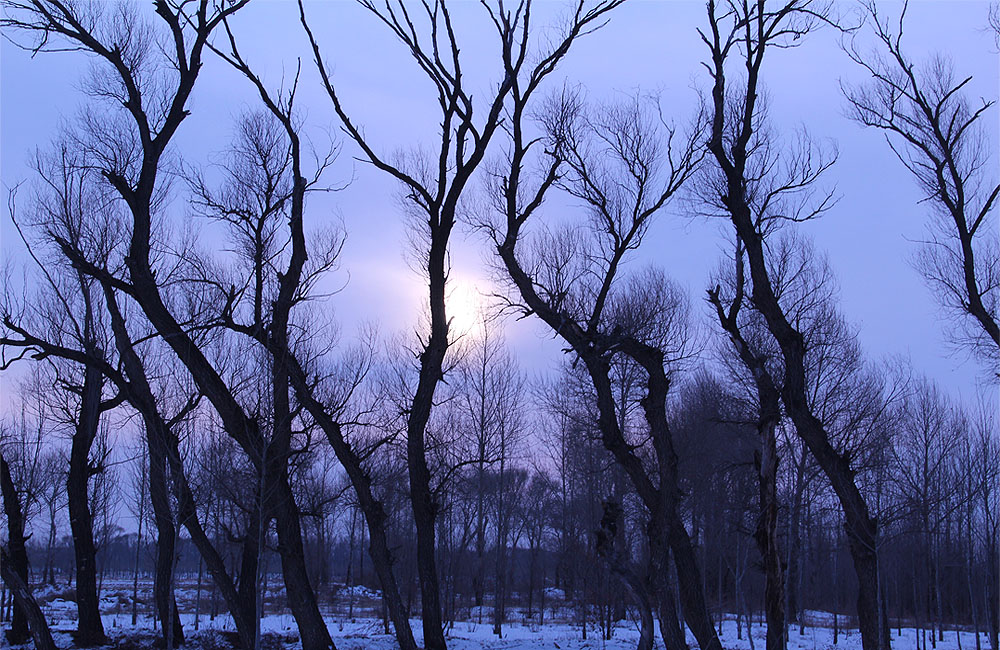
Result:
67,309
650,484
536,522
491,392
929,437
479,406
152,116
73,219
138,508
53,498
624,165
768,400
433,189
275,182
756,195
14,502
936,131
264,186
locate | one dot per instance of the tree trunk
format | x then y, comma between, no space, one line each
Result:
90,629
659,493
862,528
16,557
241,605
766,536
163,448
765,462
274,467
993,591
301,597
25,602
424,512
138,552
166,537
663,498
666,607
371,508
425,507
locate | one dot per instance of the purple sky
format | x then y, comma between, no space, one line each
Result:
649,46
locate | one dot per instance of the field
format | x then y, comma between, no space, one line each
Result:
366,631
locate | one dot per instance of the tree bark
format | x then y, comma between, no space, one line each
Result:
766,536
24,601
166,536
16,555
90,629
301,597
666,499
372,509
422,500
671,630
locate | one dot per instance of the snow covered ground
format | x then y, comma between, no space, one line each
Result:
365,634
368,633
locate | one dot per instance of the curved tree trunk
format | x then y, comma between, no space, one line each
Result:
659,493
667,499
281,505
371,507
732,156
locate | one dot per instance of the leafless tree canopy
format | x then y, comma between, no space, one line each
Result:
936,131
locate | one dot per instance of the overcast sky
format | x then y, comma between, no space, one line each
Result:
648,46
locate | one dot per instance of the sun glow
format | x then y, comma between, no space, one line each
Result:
466,301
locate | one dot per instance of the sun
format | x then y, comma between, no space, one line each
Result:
464,304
